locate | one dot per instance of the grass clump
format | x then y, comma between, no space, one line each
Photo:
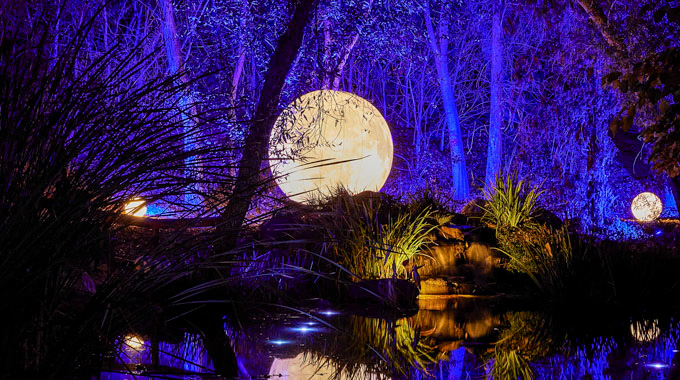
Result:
511,210
373,236
511,203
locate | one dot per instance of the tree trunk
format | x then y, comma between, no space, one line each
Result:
597,16
175,63
439,45
495,149
255,148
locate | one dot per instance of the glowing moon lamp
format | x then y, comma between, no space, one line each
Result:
135,207
328,139
134,342
646,207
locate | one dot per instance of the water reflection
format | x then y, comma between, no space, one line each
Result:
450,339
310,366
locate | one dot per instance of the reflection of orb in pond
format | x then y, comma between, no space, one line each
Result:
328,139
646,207
308,366
135,207
645,331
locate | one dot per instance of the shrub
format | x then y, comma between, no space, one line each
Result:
373,238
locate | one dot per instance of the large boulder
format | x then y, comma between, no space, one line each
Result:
475,208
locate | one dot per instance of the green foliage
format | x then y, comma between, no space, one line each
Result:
511,203
373,238
549,258
526,338
510,209
655,82
510,364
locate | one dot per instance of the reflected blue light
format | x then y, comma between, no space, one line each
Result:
279,342
329,313
658,232
656,365
310,323
304,329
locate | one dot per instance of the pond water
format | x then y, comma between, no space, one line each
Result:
460,338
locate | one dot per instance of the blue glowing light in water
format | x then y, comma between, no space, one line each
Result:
279,342
656,365
304,329
329,313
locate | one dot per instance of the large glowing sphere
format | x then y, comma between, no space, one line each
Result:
646,207
329,139
135,207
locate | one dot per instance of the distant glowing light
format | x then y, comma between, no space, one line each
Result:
329,313
134,342
136,207
646,207
328,139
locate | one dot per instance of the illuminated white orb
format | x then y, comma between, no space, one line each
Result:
646,207
135,207
134,342
328,139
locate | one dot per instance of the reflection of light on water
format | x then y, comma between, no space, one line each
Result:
656,365
279,342
645,331
329,313
304,329
308,367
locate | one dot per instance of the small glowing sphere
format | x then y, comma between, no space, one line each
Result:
134,342
136,207
329,139
646,207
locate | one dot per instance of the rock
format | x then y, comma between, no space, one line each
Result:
438,260
281,227
481,257
449,232
475,208
547,218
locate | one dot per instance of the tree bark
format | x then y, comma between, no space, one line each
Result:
597,16
439,45
495,148
255,148
186,104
